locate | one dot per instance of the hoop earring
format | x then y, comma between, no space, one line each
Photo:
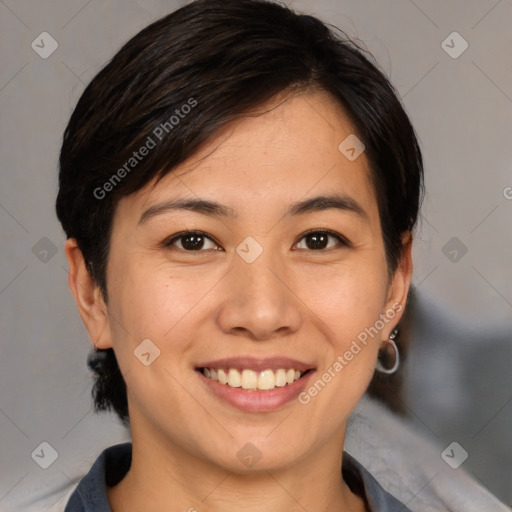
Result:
392,335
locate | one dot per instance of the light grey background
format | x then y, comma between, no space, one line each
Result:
459,370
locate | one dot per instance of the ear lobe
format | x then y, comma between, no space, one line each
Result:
400,284
88,296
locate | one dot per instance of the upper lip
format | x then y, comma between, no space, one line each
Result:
257,364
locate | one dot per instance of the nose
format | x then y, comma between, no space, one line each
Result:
258,299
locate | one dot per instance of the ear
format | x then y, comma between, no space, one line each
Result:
88,297
399,285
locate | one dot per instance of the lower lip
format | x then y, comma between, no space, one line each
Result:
256,401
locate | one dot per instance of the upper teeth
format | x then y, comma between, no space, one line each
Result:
249,379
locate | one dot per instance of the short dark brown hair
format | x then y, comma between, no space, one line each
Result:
208,63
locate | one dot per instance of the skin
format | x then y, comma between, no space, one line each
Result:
291,301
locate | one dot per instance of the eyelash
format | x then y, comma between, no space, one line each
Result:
343,242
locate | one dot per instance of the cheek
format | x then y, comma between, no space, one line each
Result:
155,301
348,298
349,305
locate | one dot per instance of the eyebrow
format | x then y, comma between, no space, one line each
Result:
213,209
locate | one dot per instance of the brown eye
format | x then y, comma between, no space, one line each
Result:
191,241
319,240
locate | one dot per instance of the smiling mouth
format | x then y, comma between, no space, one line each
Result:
250,380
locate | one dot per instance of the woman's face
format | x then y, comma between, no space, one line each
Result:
255,289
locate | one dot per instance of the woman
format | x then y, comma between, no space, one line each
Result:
239,187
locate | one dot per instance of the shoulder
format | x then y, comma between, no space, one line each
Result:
362,482
409,465
108,469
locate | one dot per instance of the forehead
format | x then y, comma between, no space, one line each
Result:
281,152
